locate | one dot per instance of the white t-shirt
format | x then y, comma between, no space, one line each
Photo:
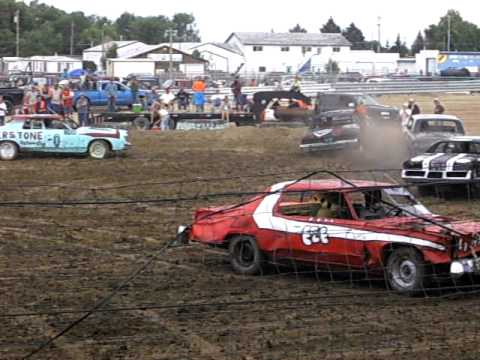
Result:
163,114
3,109
167,98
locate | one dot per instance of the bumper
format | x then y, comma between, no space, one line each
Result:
341,144
422,176
465,266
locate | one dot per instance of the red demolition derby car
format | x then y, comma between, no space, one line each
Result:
338,224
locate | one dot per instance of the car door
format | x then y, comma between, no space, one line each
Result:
316,231
32,137
124,95
54,136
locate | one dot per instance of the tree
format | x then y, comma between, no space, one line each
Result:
332,67
330,27
399,47
355,36
185,26
464,34
419,44
297,29
112,52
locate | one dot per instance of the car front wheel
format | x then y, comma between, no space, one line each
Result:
406,271
8,151
245,256
99,149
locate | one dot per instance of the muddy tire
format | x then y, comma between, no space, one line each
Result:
141,123
8,151
245,256
99,149
406,271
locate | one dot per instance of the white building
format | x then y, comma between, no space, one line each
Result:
96,53
221,56
40,64
284,52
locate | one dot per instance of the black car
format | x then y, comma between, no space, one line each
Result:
460,72
372,108
333,130
453,160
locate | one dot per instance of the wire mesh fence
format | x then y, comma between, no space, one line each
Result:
97,272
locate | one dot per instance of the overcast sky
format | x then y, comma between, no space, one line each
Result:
217,19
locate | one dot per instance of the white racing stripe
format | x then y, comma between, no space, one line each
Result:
452,161
264,219
426,162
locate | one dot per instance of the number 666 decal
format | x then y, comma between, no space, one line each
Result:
312,235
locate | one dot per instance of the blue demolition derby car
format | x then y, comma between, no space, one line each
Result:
51,133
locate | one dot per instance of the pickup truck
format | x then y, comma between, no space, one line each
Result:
98,96
12,96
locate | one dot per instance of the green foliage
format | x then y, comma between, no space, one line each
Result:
330,27
46,30
355,36
419,44
399,47
465,36
298,29
112,52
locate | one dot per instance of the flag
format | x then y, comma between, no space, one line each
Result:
306,67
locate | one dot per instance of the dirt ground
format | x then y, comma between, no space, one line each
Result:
56,262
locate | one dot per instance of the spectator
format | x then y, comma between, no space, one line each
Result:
296,84
134,88
438,107
47,94
237,91
56,100
111,90
67,101
405,114
199,94
40,105
83,109
32,99
217,101
164,118
167,99
413,107
3,111
155,114
183,99
226,106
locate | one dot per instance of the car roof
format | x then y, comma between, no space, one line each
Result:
312,185
435,117
36,117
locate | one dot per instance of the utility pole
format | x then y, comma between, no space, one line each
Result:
170,33
379,24
16,20
449,36
72,36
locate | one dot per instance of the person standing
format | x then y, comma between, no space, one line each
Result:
183,99
237,92
3,111
226,107
67,101
164,118
56,100
414,108
111,90
134,86
199,94
167,99
83,108
438,107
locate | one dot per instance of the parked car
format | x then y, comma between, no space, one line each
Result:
374,110
13,96
333,130
52,134
460,72
446,161
353,225
422,131
98,96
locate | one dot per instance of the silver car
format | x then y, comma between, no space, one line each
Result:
423,130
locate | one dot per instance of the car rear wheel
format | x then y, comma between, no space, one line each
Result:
245,256
8,151
99,149
406,271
